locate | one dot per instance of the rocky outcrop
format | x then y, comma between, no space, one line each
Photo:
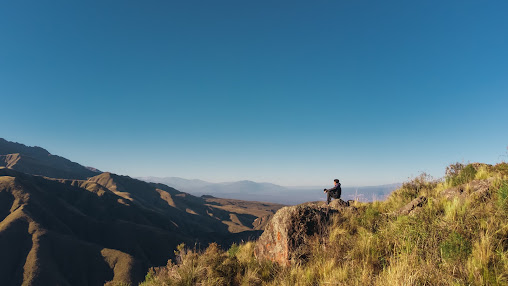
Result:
412,207
287,234
476,189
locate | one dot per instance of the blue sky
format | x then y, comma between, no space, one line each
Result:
288,92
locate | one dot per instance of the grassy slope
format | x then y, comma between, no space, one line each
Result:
457,239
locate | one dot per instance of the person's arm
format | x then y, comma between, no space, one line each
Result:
333,188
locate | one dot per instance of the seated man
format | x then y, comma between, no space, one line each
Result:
334,192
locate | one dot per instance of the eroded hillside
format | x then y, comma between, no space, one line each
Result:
105,228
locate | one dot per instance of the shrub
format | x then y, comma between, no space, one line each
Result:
420,185
482,173
422,182
455,247
502,195
453,170
233,250
460,175
370,218
502,168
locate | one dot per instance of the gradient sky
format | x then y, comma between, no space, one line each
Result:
288,92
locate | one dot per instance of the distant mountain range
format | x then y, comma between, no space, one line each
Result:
248,190
199,187
65,224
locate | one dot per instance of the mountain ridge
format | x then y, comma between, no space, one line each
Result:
38,161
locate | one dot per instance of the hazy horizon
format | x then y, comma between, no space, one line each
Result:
246,180
268,192
291,93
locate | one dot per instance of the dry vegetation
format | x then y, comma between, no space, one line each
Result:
460,240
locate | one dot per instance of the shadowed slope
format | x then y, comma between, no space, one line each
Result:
109,227
195,213
187,212
56,233
244,214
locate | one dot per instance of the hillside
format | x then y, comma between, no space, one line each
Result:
429,232
106,228
38,161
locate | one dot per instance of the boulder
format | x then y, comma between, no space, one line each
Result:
412,207
339,204
481,188
286,236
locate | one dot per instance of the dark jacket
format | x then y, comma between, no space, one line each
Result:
336,188
334,192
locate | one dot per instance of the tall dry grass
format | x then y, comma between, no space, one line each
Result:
446,242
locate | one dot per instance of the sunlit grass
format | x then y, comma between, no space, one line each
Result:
448,242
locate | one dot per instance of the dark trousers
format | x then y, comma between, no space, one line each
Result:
331,195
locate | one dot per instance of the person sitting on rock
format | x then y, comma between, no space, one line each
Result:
334,192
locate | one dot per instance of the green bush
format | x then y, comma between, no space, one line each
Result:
502,195
455,247
423,184
371,218
413,188
463,176
233,250
502,168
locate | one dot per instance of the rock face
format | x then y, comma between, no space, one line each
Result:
288,232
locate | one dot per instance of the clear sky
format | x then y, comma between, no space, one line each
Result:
288,92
